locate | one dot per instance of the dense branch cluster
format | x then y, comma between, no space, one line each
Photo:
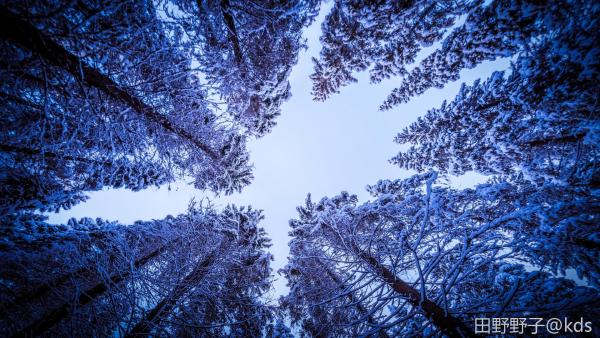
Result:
425,259
128,94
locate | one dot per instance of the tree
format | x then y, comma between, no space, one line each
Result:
385,38
98,94
534,128
87,113
233,304
95,277
539,120
421,259
247,50
380,36
322,300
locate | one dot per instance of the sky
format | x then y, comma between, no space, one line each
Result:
321,148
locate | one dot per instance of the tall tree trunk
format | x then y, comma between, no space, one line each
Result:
23,33
232,34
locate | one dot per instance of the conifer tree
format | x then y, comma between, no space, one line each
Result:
382,37
386,37
100,94
421,259
247,50
202,272
534,128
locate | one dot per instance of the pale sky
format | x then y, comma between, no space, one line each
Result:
321,148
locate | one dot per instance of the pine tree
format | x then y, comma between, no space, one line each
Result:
386,37
490,31
539,120
246,50
382,37
232,301
96,278
322,300
420,259
534,128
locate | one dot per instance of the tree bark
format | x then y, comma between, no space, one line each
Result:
449,325
232,33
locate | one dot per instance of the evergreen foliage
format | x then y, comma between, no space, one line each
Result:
200,273
99,94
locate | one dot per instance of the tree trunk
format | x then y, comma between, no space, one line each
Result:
449,325
232,34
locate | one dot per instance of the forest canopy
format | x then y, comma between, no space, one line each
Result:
99,94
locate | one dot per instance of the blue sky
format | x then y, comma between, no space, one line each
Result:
321,148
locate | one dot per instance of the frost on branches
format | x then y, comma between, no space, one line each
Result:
122,94
131,94
101,94
386,37
247,50
203,273
506,248
536,130
420,259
